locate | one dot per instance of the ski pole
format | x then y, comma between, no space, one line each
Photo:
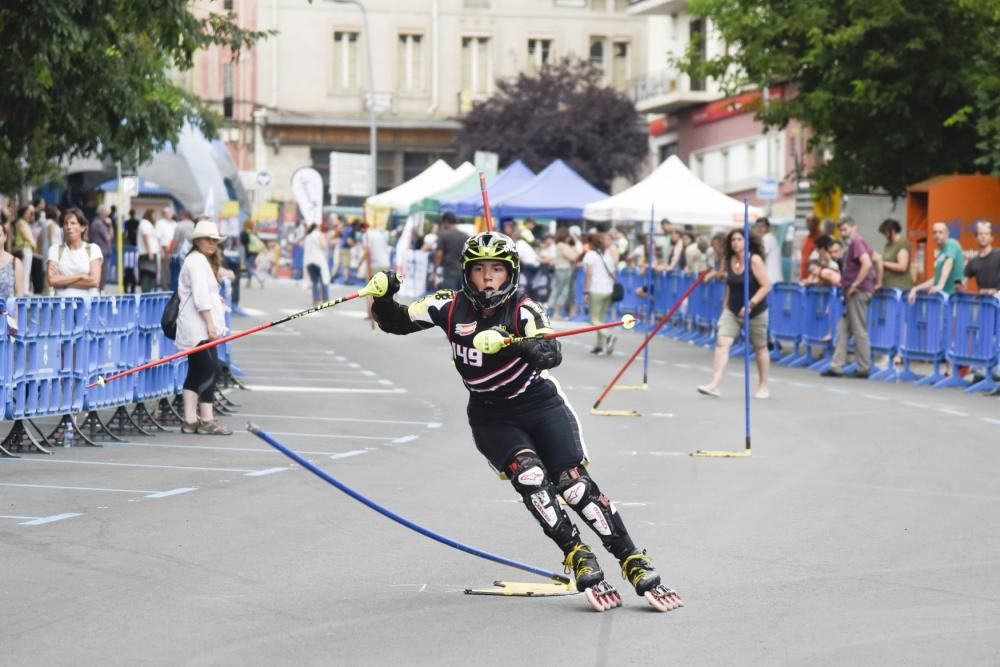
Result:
492,341
375,287
322,474
486,202
652,333
746,319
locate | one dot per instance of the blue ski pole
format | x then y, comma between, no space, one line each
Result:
257,431
649,295
746,317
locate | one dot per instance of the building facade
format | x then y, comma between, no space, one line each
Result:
431,60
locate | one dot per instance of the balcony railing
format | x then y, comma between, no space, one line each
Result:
667,88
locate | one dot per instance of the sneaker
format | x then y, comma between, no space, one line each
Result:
709,391
861,375
637,569
831,373
762,394
582,564
597,350
609,345
189,427
213,428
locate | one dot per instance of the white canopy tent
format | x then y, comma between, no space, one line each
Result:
671,192
433,179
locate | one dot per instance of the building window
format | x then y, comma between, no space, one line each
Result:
227,5
597,51
411,62
345,59
697,36
227,90
666,150
539,54
620,66
477,68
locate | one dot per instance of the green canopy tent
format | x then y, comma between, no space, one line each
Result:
463,186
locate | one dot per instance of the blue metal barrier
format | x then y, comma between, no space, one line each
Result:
158,381
822,309
973,341
704,309
785,319
6,350
110,340
676,282
130,257
45,376
579,294
885,331
925,336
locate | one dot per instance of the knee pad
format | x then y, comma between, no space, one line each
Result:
530,479
583,495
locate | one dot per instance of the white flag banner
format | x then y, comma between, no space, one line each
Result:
307,186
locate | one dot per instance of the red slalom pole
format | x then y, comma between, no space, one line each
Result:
364,291
486,202
649,337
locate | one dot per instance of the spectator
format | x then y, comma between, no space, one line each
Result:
182,237
827,270
11,271
837,254
809,245
662,245
74,266
314,259
985,266
253,246
24,242
377,243
772,252
448,254
694,256
529,258
715,257
895,259
676,261
735,311
528,231
100,235
949,266
148,248
599,263
202,318
165,228
858,281
568,253
130,238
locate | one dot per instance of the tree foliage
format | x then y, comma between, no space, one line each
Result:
92,77
897,90
562,112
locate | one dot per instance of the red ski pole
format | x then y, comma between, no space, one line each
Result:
375,287
649,337
486,202
492,341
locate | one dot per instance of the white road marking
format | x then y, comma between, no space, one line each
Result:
658,361
342,419
668,453
989,420
676,365
255,450
148,494
661,414
128,465
39,520
834,390
269,471
914,404
875,397
253,312
347,455
322,390
404,439
333,436
360,381
804,385
957,413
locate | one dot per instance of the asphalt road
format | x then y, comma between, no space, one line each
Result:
862,531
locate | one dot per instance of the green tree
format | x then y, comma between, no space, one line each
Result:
92,77
562,112
893,88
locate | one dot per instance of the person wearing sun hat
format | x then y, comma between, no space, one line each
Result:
202,318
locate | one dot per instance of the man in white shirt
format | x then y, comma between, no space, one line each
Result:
772,252
378,250
148,248
165,228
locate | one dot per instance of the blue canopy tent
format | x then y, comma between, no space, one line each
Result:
512,178
146,187
556,192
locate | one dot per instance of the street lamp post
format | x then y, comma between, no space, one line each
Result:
372,142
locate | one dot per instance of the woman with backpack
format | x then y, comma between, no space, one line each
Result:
74,266
201,318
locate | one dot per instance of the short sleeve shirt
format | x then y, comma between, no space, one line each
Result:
852,265
898,279
986,270
951,249
74,263
451,243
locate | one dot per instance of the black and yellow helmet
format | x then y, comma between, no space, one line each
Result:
497,247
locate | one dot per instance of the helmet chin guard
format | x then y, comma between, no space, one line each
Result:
499,248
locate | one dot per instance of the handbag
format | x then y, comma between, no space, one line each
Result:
617,290
147,265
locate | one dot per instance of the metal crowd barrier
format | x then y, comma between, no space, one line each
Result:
974,339
925,337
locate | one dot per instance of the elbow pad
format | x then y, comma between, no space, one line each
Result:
541,354
392,317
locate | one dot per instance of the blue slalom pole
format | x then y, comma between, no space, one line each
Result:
746,317
256,430
649,294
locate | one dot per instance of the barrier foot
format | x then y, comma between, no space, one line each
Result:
122,422
144,417
96,428
66,434
166,413
220,407
21,439
228,402
228,379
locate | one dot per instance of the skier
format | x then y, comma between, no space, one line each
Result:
520,420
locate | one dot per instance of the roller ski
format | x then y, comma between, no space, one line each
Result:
582,564
638,570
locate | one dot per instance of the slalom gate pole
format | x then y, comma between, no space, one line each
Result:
649,294
253,428
649,337
746,318
486,203
364,291
492,341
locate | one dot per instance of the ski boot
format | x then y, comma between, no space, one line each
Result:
638,570
590,579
